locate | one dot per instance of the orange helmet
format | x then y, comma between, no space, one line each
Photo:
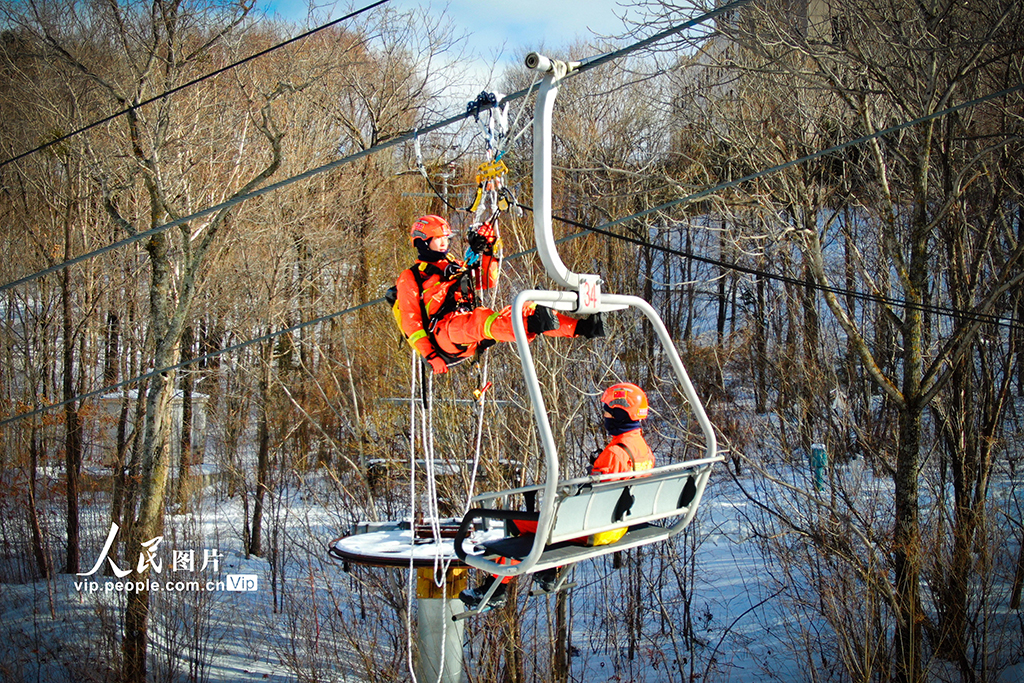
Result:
629,397
427,228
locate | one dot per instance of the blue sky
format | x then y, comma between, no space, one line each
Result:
516,27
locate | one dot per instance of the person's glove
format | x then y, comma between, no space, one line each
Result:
438,364
482,239
452,270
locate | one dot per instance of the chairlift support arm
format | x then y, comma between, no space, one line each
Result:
554,71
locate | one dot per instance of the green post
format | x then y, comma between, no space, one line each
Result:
819,461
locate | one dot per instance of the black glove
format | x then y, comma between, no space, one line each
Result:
481,239
453,270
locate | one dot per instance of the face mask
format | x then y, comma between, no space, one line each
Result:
425,253
615,427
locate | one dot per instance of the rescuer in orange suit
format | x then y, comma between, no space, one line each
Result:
625,406
435,299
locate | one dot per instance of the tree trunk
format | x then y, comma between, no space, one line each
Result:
511,642
723,274
1019,330
112,349
761,349
155,456
907,534
126,491
906,550
149,523
1018,579
689,286
560,665
263,455
119,470
72,426
38,547
812,366
185,442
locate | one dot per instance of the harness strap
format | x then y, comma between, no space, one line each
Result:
420,275
629,454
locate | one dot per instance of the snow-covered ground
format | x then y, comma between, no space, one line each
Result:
308,620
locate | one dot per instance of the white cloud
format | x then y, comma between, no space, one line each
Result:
502,32
517,27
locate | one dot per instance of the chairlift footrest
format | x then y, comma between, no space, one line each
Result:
469,613
535,592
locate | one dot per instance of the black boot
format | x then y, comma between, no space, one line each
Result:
546,580
542,320
471,597
590,327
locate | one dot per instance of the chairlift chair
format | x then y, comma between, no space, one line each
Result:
572,510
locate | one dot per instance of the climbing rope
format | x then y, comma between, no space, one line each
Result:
411,575
426,438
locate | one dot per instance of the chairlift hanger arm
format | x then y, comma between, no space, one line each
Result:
554,71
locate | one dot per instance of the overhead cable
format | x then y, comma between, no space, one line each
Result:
816,155
748,270
185,363
397,140
195,81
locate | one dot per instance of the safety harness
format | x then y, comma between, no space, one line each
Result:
629,454
461,285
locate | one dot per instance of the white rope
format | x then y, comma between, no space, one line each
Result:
479,436
433,510
410,581
434,516
426,418
481,404
427,440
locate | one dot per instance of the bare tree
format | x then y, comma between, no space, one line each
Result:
158,163
791,79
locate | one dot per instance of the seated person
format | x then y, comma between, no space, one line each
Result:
625,406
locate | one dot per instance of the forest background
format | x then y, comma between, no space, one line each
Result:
868,298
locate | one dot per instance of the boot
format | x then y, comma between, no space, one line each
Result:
546,580
590,327
542,320
471,597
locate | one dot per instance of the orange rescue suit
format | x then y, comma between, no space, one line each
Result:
461,327
626,452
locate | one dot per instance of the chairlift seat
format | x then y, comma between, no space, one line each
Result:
590,505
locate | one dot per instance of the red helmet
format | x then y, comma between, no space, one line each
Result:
428,227
629,397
